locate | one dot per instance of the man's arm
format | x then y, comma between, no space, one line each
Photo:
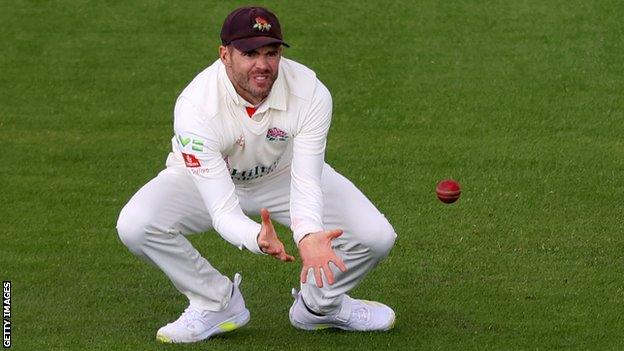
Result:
306,197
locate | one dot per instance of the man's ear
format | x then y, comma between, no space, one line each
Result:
224,55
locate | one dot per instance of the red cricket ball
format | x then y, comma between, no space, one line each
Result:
448,191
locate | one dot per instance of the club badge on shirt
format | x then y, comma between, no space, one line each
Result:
276,134
240,141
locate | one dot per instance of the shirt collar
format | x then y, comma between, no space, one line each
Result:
277,98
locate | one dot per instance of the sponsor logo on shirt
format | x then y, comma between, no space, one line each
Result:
190,160
276,134
200,171
253,173
196,144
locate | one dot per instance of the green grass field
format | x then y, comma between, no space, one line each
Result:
521,101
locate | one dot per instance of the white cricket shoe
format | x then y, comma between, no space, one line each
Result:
354,315
196,325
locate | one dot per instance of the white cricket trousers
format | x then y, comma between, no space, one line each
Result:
154,222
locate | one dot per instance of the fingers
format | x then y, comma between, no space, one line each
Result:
289,258
323,270
284,257
278,253
333,234
318,277
266,216
339,263
328,274
317,253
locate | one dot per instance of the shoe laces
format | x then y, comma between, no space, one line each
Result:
190,316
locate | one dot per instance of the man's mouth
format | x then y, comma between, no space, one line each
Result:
260,78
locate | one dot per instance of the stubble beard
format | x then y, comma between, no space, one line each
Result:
243,81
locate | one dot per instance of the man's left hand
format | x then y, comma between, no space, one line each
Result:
316,254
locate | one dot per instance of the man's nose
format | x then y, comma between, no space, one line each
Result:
262,62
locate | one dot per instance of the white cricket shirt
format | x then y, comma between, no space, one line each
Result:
224,148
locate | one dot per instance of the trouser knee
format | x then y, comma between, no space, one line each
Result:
131,228
379,238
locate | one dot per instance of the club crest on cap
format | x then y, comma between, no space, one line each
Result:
262,24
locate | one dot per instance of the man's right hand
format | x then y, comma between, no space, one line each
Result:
269,242
316,252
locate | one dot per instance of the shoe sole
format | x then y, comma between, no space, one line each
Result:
228,325
321,326
315,327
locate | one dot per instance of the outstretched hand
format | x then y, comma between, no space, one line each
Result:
316,253
269,242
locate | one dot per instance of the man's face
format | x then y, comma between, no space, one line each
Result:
252,73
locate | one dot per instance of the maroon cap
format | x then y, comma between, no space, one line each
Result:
249,28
